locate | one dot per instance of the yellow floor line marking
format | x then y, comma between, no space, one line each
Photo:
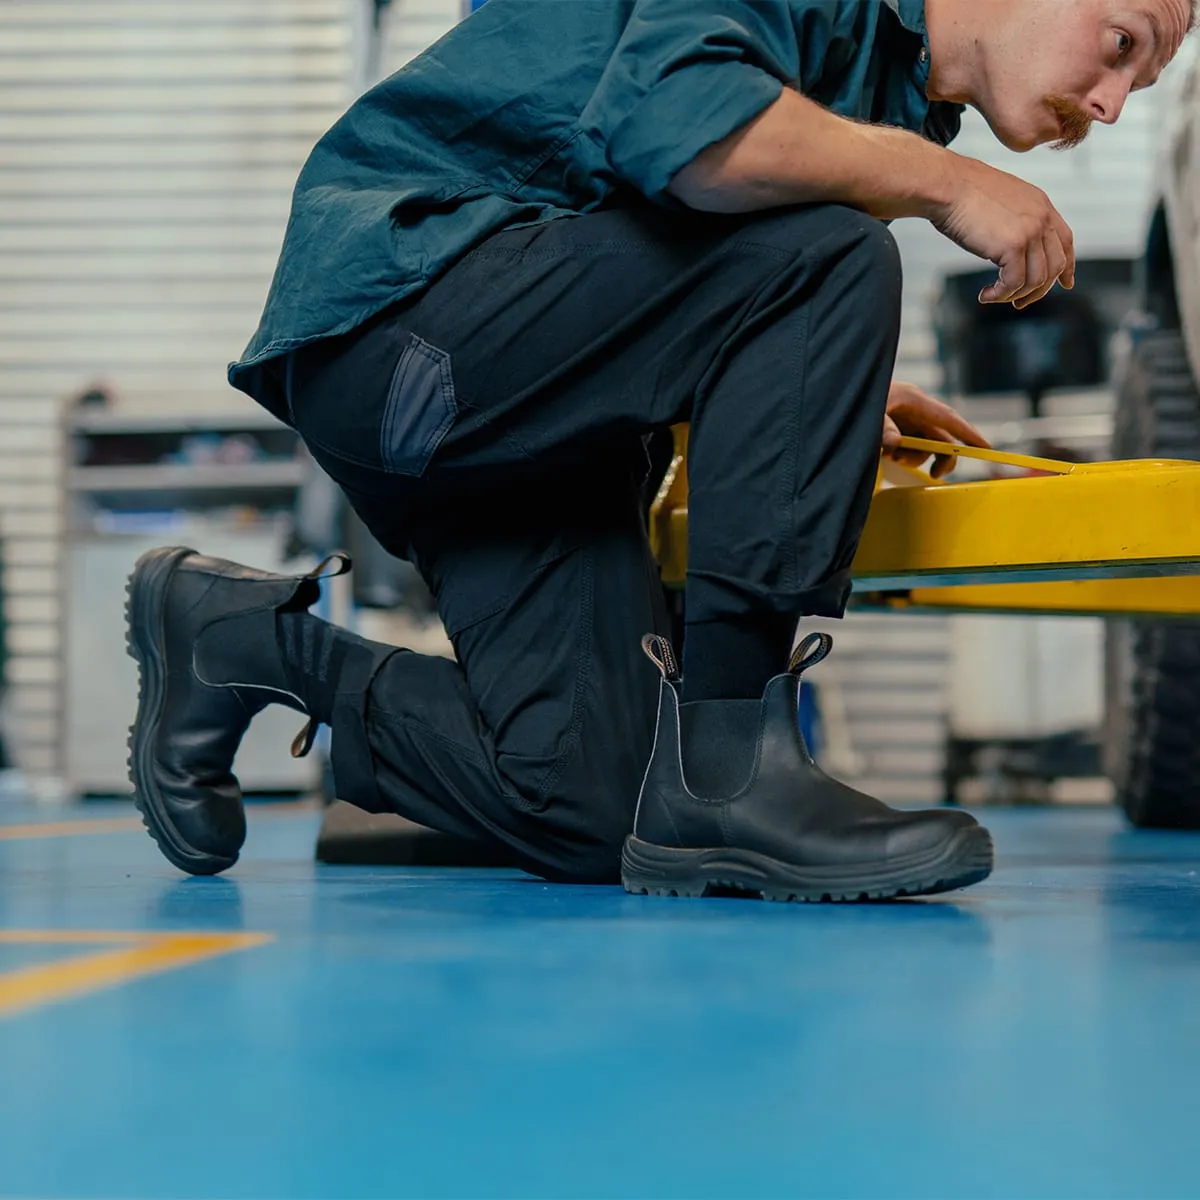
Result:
13,833
145,954
52,829
68,937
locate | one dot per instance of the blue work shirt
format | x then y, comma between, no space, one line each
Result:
534,110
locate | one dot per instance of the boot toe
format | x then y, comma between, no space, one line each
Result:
939,851
186,733
208,820
919,833
199,826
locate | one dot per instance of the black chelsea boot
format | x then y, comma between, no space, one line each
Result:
732,799
202,631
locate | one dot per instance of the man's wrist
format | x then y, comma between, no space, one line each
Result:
900,174
939,179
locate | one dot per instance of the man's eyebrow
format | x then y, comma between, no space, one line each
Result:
1157,43
1156,31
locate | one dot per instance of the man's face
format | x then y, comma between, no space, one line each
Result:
1057,66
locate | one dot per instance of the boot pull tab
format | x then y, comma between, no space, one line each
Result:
302,743
342,565
813,649
658,651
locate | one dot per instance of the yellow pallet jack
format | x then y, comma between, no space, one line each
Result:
1108,538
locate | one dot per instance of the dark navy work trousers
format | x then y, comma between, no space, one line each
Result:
492,431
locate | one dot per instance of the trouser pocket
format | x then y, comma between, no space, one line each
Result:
420,408
380,398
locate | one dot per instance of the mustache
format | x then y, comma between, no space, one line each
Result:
1076,124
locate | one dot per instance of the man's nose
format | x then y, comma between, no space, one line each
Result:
1107,101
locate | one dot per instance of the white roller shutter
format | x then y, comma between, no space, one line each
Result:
148,149
411,26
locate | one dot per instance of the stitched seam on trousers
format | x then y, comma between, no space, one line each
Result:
571,740
502,602
466,407
399,720
611,247
527,844
774,252
791,570
441,360
784,506
523,843
341,455
608,247
719,361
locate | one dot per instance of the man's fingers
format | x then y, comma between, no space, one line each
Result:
1009,284
1028,272
1056,263
891,433
1037,271
1066,239
911,411
1060,259
940,421
943,464
961,430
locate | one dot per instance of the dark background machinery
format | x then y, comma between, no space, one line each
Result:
1149,745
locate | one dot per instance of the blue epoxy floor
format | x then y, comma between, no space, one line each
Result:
431,1034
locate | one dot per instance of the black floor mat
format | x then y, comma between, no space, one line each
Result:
350,836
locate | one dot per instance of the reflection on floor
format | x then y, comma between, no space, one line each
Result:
346,1032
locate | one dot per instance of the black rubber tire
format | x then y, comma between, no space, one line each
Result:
1152,668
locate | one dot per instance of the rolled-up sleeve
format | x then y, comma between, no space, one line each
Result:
685,74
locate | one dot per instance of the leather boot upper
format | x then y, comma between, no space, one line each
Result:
738,774
222,666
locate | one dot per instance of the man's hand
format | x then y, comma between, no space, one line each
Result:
1011,223
797,152
910,411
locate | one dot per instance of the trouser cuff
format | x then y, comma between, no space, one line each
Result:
712,597
350,753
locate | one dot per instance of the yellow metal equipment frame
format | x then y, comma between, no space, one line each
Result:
1070,538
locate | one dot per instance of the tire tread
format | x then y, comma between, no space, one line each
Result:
1153,729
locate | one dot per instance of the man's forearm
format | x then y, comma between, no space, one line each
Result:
797,152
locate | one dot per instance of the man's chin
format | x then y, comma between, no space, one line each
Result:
1018,141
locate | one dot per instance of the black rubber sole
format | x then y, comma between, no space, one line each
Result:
965,858
145,638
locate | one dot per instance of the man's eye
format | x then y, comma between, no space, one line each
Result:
1124,45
